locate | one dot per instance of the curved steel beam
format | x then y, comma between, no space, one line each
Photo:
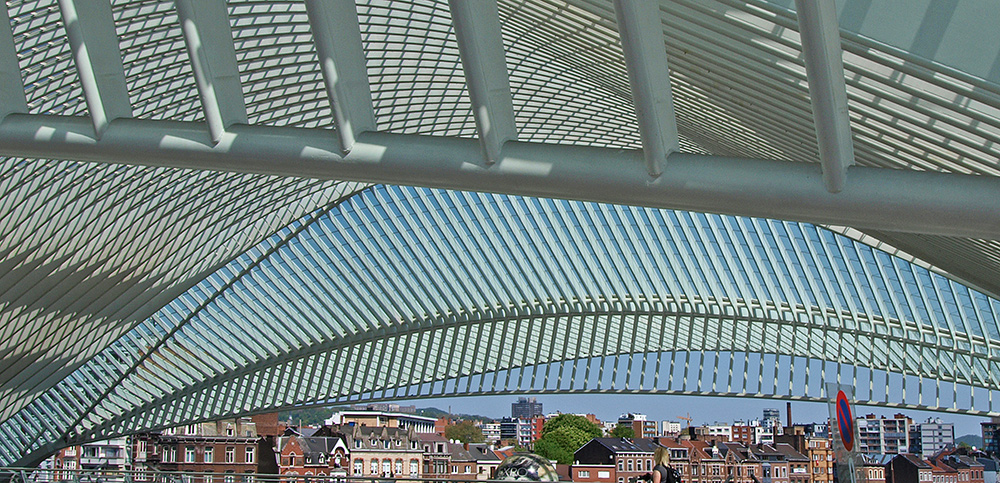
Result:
896,200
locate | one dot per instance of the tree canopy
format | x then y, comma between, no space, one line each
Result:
563,435
573,421
465,431
623,431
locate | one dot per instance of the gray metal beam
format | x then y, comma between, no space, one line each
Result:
209,41
337,36
824,62
480,44
641,34
895,200
90,28
12,98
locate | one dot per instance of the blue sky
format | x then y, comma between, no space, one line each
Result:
703,409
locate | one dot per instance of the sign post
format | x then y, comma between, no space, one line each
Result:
844,433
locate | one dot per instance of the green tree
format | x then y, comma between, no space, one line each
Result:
623,431
574,421
563,435
465,431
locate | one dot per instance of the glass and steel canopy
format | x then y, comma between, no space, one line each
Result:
207,240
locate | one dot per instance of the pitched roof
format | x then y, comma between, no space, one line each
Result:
914,460
628,445
791,454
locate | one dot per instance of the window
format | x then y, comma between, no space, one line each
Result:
631,466
414,467
374,466
398,467
231,454
583,474
621,465
468,468
649,465
191,429
603,474
189,454
229,430
359,467
230,477
386,467
249,454
209,454
357,443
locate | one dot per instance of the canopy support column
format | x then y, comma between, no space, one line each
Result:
641,33
827,89
337,36
90,28
480,44
209,40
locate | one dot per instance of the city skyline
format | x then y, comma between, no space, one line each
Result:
609,407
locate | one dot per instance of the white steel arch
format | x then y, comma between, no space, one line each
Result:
463,293
216,124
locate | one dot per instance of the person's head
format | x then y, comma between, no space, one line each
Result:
661,456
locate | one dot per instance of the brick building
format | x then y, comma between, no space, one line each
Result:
384,451
628,458
325,453
820,456
103,456
227,447
741,466
642,427
435,455
908,468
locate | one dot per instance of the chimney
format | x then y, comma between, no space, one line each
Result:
788,408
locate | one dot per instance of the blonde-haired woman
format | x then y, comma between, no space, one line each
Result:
662,471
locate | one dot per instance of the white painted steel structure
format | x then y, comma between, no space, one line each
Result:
206,240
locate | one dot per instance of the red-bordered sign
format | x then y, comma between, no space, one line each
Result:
845,421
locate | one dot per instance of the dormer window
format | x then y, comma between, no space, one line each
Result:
357,443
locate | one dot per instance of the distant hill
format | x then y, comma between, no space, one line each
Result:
971,440
315,416
437,413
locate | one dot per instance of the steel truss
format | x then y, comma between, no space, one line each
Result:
359,305
129,299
